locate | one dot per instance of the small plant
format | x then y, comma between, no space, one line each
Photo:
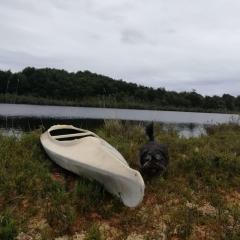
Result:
232,233
182,222
88,195
94,233
60,214
7,227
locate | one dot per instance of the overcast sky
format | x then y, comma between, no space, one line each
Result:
176,44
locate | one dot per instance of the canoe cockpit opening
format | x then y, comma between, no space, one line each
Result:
69,134
64,131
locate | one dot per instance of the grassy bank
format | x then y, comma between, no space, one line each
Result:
104,102
197,198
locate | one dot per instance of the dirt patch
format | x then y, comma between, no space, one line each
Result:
233,198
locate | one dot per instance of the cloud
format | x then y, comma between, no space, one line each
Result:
19,60
132,36
179,45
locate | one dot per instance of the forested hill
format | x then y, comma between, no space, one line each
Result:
52,86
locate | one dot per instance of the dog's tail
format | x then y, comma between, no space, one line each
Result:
150,132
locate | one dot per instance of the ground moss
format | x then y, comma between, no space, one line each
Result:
197,197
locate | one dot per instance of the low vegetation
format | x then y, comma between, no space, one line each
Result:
197,198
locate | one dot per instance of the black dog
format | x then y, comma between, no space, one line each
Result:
153,156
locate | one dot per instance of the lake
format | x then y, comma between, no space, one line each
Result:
29,117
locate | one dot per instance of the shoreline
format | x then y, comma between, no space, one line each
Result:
95,103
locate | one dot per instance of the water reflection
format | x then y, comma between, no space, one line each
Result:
14,126
61,112
23,117
31,123
190,130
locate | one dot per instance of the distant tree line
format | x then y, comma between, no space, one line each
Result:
86,88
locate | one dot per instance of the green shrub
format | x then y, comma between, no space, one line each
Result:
94,233
7,227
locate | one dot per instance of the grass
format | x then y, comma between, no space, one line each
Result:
94,233
7,227
197,198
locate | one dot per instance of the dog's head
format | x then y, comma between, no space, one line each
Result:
153,158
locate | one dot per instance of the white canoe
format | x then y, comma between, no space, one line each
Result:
86,154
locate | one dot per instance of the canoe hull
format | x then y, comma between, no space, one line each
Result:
94,158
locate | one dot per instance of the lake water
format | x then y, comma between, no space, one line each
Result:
28,117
